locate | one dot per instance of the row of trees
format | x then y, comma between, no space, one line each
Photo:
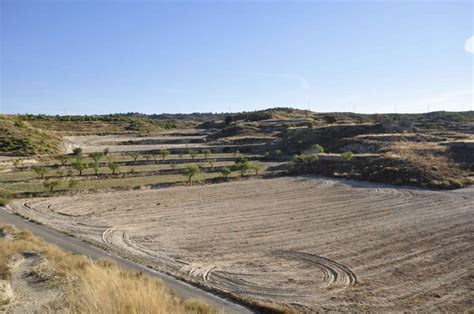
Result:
242,166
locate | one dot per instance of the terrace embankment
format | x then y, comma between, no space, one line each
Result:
308,243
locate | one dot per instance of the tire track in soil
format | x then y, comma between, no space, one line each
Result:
334,273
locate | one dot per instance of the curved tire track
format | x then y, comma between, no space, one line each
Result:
334,273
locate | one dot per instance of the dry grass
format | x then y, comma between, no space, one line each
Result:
93,286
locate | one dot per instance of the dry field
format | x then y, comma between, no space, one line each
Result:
310,243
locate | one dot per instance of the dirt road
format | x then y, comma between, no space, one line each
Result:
74,245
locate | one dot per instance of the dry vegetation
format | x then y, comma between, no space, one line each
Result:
302,242
38,277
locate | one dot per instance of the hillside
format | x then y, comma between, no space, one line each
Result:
20,138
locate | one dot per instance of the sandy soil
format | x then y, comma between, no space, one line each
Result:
27,291
314,244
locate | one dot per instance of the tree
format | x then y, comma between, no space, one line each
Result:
106,151
237,152
347,156
51,184
278,152
79,165
206,152
164,153
228,120
211,163
190,171
256,166
64,159
77,151
225,172
193,153
318,149
113,167
40,171
134,155
96,156
95,166
147,157
243,166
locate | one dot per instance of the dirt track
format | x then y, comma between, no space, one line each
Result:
311,243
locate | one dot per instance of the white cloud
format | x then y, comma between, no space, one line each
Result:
470,45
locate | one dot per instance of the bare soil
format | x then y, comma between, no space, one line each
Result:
313,244
97,143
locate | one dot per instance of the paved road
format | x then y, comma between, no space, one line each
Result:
75,245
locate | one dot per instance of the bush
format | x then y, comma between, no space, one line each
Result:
228,120
77,151
225,172
318,148
347,156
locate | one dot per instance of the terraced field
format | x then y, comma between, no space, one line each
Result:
309,243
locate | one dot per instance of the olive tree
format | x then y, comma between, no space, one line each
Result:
206,152
225,172
256,166
96,156
40,171
164,153
134,155
79,165
64,159
193,153
191,171
95,166
243,167
51,184
114,167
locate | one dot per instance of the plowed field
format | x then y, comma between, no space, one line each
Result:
313,244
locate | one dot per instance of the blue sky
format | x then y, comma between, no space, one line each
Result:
96,57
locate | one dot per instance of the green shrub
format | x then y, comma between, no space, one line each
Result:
347,156
318,148
77,151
